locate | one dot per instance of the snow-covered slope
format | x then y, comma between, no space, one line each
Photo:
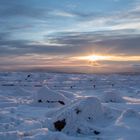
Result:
49,106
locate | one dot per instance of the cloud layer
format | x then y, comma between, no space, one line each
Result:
43,32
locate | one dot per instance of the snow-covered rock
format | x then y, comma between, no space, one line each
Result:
112,96
83,117
50,97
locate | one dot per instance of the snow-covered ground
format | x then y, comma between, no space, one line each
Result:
50,106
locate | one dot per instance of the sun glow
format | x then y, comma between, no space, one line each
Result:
94,57
108,58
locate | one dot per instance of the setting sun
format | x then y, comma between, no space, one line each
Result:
94,57
108,58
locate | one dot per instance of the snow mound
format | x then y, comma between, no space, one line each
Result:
44,134
50,97
112,96
138,93
19,91
129,118
68,94
8,122
13,135
16,91
28,125
81,118
25,135
131,113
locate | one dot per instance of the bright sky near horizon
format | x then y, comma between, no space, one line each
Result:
42,34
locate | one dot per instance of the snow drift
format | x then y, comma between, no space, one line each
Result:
50,97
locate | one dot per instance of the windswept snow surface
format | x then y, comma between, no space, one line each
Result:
51,106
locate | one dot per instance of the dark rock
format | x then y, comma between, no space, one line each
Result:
60,124
79,131
38,85
96,132
10,85
78,110
89,118
48,101
40,101
61,102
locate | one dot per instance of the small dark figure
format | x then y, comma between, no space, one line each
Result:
96,132
112,85
78,111
111,100
71,87
59,125
38,85
89,118
28,76
61,102
40,101
78,131
94,86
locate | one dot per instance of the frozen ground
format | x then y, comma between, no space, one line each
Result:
48,106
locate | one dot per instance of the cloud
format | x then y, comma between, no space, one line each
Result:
66,31
61,13
111,42
4,35
75,43
18,10
114,20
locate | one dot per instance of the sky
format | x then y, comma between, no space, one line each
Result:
70,35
